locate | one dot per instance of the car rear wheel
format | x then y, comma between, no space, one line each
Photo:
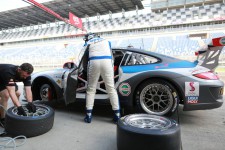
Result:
157,97
145,132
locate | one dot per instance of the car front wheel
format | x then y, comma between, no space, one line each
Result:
46,92
157,97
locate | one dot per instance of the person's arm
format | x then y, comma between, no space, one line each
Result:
12,94
27,89
28,93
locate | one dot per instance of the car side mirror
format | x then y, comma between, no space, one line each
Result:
69,65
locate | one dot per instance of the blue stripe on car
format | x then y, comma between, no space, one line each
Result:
140,68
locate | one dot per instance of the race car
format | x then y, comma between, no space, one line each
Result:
146,81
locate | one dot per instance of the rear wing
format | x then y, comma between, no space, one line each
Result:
208,55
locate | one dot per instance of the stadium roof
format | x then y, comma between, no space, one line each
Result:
32,15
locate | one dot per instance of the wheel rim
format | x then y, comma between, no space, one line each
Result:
41,110
148,121
46,93
156,99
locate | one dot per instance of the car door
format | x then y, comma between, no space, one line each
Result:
71,80
70,86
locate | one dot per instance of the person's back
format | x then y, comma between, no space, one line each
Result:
3,67
100,64
6,71
99,48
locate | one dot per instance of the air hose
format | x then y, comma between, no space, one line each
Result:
8,142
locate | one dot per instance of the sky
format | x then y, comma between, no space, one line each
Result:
13,4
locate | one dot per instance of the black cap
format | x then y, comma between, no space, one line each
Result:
27,67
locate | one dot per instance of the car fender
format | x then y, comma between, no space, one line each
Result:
134,81
55,77
46,78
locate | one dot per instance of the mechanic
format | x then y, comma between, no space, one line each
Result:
10,74
100,63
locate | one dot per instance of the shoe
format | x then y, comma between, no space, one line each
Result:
116,116
2,122
88,116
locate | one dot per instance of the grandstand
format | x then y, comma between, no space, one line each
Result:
163,26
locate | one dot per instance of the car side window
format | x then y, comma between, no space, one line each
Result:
140,59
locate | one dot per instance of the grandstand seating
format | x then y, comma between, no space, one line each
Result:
203,13
175,45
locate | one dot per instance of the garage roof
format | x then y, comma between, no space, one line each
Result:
32,15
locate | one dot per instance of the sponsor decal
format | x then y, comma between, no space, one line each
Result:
162,66
125,89
191,88
222,41
192,92
192,99
57,76
58,81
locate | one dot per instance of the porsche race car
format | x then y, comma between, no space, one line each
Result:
149,82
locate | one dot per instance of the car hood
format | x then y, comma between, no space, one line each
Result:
54,73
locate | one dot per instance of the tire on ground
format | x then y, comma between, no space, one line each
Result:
29,126
148,132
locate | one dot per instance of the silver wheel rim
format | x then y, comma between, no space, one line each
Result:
41,111
148,121
156,99
44,94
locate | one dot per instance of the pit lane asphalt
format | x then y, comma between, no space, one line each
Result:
200,130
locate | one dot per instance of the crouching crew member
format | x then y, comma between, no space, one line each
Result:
9,75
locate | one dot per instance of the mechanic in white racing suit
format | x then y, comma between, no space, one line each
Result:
100,63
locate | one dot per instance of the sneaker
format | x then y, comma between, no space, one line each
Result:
2,122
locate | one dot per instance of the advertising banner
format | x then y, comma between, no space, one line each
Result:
75,21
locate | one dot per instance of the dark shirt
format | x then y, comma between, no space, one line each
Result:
9,75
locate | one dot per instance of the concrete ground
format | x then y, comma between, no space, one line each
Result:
200,130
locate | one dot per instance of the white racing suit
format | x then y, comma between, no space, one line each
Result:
100,63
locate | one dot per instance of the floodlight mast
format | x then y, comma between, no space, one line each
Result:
48,10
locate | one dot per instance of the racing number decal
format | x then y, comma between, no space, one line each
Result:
125,89
192,92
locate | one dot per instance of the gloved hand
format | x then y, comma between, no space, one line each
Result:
31,107
21,111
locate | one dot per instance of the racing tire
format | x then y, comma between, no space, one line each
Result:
148,132
157,97
32,125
